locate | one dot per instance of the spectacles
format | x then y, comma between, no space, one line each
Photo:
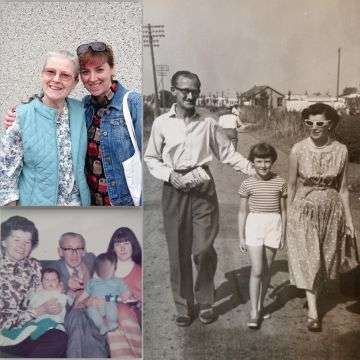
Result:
317,123
73,250
51,73
96,46
186,91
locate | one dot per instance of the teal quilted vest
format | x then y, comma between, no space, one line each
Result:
38,181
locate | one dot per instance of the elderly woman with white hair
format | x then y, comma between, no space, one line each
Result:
42,156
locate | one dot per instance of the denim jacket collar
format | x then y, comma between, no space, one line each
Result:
115,101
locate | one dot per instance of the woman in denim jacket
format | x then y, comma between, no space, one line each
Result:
109,142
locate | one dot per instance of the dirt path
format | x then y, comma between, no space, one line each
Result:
284,336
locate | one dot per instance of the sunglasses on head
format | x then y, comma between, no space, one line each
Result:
96,46
317,123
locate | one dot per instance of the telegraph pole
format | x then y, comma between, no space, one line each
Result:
151,35
338,75
162,71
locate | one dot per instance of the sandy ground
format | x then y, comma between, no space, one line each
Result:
284,336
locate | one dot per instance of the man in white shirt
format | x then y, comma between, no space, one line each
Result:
183,141
230,122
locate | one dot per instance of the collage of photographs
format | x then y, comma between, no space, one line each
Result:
180,180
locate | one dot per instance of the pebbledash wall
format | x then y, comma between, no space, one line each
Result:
95,224
30,29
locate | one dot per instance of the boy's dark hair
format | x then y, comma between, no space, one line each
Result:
19,223
49,271
262,150
100,259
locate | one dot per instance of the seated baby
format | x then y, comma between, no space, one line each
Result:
108,288
51,288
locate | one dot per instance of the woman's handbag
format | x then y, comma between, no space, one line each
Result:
350,268
133,165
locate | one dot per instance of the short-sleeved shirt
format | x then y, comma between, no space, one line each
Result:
264,195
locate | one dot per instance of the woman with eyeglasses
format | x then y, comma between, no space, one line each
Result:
42,156
109,140
319,214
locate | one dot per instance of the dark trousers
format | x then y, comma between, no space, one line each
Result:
50,345
85,340
191,222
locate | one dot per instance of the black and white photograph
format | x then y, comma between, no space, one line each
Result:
251,179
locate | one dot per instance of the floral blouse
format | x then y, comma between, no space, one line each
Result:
11,163
18,281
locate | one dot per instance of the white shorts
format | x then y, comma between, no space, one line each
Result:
263,229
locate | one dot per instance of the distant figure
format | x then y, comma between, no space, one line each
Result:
230,122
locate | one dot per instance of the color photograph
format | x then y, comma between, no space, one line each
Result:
71,104
71,283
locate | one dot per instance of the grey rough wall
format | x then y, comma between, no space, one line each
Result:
30,29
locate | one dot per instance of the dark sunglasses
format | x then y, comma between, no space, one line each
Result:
317,123
96,46
186,91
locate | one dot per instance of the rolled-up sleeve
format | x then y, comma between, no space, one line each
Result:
11,163
225,152
153,154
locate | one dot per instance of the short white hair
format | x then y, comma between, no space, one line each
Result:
70,235
65,55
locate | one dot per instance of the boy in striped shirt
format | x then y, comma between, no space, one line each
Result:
262,222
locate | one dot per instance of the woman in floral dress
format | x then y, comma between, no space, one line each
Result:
318,201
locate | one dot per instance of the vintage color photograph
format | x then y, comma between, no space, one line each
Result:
251,140
71,283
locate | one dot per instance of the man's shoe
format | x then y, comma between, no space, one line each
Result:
183,320
207,314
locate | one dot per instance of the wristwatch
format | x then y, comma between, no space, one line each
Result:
111,298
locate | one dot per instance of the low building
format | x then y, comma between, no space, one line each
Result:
264,96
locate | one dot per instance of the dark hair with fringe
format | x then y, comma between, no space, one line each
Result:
124,234
262,150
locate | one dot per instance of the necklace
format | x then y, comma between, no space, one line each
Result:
328,141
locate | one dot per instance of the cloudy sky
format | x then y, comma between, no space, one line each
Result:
235,44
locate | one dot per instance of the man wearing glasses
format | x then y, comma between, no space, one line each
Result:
182,144
76,268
